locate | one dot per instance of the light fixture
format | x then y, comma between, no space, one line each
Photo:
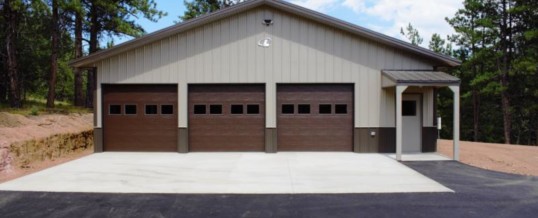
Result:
267,22
265,43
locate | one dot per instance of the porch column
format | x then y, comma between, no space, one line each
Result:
456,134
399,91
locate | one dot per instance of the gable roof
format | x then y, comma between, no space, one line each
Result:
443,60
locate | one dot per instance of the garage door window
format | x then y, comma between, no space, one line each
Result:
253,109
151,109
114,109
303,109
167,109
199,109
288,109
325,109
340,109
215,109
236,109
130,109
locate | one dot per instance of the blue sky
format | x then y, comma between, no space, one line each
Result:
385,16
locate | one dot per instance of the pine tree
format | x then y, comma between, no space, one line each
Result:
197,8
11,12
412,35
114,19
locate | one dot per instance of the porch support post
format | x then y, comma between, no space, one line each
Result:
456,134
399,91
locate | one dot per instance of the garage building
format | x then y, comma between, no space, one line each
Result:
268,76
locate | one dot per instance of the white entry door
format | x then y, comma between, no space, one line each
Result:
411,120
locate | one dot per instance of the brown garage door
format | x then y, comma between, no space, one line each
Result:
140,117
226,117
315,117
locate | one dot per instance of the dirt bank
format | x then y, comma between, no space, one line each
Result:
515,159
32,143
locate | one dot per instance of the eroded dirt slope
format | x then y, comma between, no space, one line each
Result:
516,159
16,128
32,143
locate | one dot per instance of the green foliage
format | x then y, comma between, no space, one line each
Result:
118,17
412,34
34,111
197,8
441,46
498,43
34,30
35,105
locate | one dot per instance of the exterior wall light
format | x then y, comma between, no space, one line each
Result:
267,22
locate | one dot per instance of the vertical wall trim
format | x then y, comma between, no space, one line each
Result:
98,140
270,105
357,106
183,140
435,93
270,140
356,140
182,105
399,91
98,105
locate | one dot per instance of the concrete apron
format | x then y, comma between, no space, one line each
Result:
230,173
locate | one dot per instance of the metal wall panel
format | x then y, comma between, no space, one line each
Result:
302,51
427,107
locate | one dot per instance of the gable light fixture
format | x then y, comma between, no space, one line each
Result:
267,22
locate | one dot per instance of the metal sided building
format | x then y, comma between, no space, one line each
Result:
268,76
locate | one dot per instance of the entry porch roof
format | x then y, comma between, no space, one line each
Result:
391,78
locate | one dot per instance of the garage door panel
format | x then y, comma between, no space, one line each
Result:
141,131
316,130
226,131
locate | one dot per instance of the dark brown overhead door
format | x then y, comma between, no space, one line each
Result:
140,117
226,117
315,117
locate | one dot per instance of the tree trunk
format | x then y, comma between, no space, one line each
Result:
79,95
536,139
505,69
10,57
475,97
476,116
3,87
53,56
90,87
94,37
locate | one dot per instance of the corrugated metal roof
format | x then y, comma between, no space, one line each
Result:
282,5
420,77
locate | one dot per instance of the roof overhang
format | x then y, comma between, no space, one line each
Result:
391,78
441,60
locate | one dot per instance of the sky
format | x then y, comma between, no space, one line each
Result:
384,16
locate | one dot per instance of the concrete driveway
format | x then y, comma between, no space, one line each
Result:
229,173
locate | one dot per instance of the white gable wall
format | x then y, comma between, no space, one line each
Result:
302,52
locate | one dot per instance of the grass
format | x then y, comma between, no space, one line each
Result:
36,106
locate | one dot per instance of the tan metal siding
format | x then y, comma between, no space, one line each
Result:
427,107
302,52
